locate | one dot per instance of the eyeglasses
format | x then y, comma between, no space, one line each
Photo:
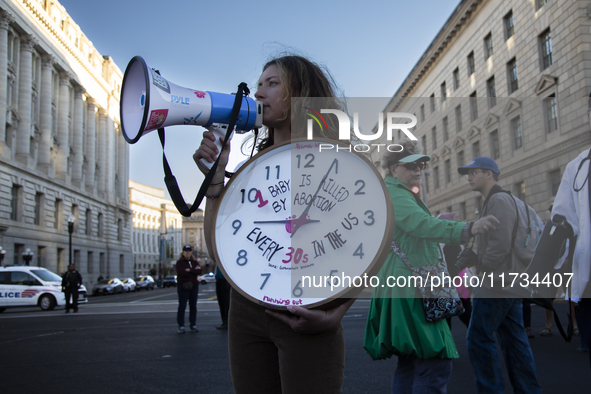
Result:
413,166
472,174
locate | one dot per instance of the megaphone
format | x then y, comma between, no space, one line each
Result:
150,102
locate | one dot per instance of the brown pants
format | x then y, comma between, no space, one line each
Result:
268,357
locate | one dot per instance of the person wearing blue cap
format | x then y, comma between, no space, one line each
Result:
490,312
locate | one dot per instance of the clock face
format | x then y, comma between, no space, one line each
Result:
303,224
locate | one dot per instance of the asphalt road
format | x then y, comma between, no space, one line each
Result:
128,344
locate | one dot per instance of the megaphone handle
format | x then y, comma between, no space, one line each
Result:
217,132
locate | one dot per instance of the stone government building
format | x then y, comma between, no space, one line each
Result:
507,79
61,149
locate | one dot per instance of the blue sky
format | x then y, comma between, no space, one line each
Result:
369,47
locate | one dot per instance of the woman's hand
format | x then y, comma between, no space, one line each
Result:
208,151
312,321
484,224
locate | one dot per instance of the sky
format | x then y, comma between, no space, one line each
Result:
369,47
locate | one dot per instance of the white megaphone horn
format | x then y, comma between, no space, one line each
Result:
150,102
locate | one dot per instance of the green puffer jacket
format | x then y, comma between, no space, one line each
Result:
396,323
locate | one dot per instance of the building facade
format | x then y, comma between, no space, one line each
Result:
504,79
62,155
157,234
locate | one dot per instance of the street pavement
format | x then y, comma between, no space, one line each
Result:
128,344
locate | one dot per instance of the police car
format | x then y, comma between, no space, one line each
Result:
32,286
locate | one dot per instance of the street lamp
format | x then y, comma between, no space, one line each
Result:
71,220
27,256
2,254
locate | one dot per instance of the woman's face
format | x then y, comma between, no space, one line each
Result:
271,93
408,178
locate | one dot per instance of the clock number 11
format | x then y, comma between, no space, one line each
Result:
269,171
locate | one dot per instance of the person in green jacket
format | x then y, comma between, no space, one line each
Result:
396,323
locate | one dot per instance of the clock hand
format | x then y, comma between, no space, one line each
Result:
281,221
299,222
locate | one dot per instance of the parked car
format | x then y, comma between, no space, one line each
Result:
169,281
108,286
33,286
128,284
145,282
207,278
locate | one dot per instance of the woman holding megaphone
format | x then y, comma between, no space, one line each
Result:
273,352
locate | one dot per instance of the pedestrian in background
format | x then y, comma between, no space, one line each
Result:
222,292
71,282
494,311
187,270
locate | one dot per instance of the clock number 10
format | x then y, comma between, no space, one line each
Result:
257,196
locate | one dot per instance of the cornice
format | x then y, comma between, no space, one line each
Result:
50,26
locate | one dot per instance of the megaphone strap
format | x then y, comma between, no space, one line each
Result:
171,182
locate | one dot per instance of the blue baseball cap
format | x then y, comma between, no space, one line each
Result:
485,163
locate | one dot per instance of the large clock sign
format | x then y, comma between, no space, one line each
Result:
303,224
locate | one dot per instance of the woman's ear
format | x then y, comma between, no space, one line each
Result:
393,170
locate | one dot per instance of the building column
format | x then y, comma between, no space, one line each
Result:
63,124
122,171
25,90
77,148
111,164
90,144
102,153
44,157
5,20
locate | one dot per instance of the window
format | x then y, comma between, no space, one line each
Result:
508,24
488,46
456,78
443,91
492,92
458,118
102,267
38,208
434,137
540,4
57,214
551,113
119,230
495,148
516,132
88,230
100,225
90,262
15,202
445,132
473,107
471,67
545,49
461,161
476,149
427,174
554,179
463,215
422,112
478,203
432,101
121,263
436,177
424,140
512,75
519,189
447,170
